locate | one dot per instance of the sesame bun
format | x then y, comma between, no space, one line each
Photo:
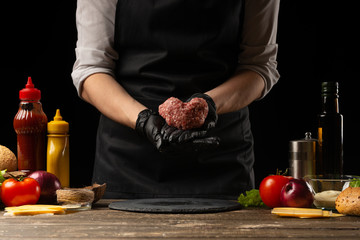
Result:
7,159
348,201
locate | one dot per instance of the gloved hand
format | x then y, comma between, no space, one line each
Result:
175,135
212,116
170,139
149,125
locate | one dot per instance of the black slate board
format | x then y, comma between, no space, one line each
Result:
175,205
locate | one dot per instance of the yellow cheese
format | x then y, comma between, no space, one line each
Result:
34,210
303,212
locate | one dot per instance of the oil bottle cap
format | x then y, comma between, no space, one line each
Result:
58,125
30,92
330,88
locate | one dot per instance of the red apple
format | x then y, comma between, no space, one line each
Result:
296,194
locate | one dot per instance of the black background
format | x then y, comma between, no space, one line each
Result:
318,41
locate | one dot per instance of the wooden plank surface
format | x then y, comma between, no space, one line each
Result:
103,223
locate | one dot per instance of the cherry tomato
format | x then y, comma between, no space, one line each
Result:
17,192
270,188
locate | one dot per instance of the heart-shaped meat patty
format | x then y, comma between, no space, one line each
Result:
184,115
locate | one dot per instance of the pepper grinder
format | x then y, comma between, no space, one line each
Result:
303,156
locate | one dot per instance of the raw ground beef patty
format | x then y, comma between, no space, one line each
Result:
184,115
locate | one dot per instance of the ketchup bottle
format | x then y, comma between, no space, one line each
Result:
30,124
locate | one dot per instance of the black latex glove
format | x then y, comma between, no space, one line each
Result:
149,125
187,140
175,135
212,116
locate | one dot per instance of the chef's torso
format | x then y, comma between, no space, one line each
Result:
175,48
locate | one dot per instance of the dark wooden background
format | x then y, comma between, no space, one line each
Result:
318,41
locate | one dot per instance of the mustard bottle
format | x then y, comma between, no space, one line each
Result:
58,149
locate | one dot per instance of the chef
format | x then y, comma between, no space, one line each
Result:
132,55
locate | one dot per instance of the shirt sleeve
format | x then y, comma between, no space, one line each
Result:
94,48
258,47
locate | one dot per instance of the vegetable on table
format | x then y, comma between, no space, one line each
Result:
296,194
20,191
49,183
251,199
270,189
2,179
355,182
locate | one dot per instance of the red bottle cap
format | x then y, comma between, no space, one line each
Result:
29,92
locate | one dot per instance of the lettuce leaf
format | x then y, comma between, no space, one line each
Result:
251,199
2,179
355,182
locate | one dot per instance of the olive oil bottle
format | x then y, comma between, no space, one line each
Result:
330,132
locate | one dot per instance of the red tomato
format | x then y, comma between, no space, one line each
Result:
270,188
20,192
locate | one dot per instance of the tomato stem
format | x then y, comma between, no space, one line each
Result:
19,179
279,172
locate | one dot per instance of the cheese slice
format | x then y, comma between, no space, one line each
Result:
303,212
34,210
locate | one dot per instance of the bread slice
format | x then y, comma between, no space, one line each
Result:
348,201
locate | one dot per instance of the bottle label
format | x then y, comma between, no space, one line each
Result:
320,138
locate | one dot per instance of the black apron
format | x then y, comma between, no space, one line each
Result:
175,48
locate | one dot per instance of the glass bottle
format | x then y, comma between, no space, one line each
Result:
330,132
30,126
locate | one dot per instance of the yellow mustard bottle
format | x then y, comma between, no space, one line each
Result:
58,149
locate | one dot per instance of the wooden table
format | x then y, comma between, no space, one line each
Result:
103,223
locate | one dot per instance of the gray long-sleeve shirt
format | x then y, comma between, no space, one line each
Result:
95,51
